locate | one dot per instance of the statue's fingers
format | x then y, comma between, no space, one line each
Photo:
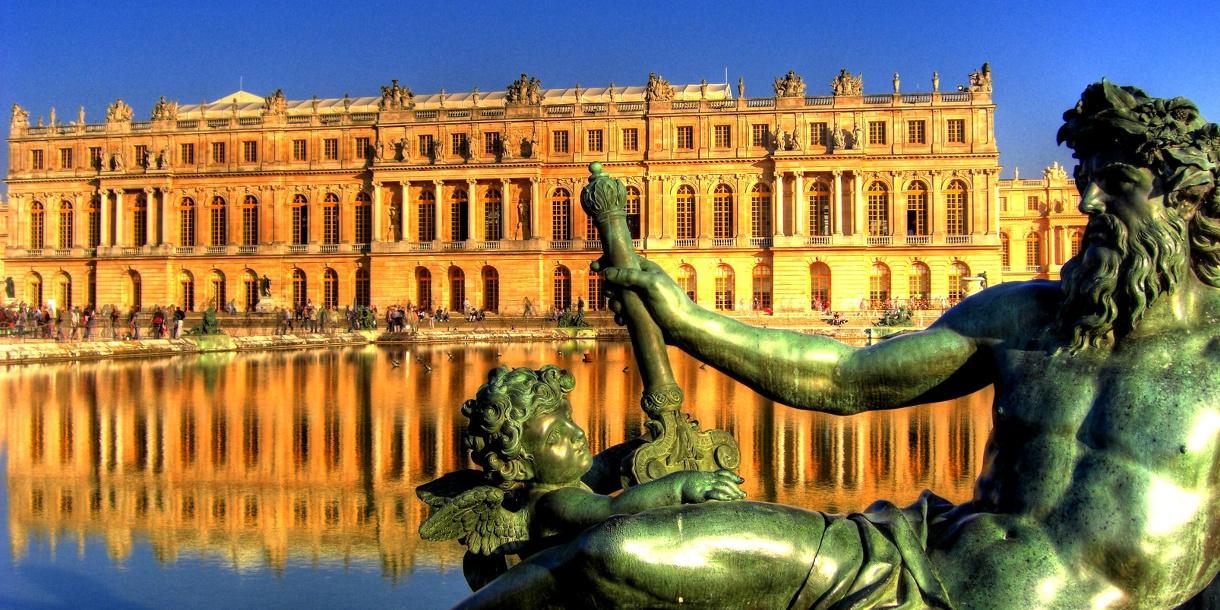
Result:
625,277
596,265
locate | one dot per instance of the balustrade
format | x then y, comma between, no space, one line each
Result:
879,240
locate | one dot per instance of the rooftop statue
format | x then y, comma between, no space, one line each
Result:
658,89
275,104
980,80
846,84
395,97
21,118
524,91
118,112
165,110
790,85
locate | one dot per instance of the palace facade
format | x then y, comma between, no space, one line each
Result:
782,202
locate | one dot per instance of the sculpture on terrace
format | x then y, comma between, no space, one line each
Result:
790,85
847,84
118,112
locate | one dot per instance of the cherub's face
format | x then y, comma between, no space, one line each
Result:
560,450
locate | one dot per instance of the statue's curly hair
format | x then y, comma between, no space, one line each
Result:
498,413
1168,136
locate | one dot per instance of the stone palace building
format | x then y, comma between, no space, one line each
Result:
784,202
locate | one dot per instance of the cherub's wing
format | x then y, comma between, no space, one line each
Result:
438,492
477,517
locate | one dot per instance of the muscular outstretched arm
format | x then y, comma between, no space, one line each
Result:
821,374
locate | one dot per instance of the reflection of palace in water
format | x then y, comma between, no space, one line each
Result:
304,457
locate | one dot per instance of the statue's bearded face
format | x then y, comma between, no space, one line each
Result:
1133,251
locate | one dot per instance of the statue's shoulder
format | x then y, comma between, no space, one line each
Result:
1005,309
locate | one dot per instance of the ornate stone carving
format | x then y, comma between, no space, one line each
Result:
275,104
403,148
21,118
790,85
897,82
395,97
658,90
847,84
118,112
1054,172
525,91
165,110
980,80
935,82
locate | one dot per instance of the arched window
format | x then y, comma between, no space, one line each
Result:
762,288
423,287
878,197
458,204
186,222
249,221
300,288
688,282
633,212
218,222
956,210
760,211
561,215
819,208
1033,251
300,219
33,289
363,218
491,289
493,228
63,290
722,212
330,288
724,287
186,290
685,208
363,290
133,290
330,219
879,285
218,296
1074,241
1004,250
66,224
37,233
917,208
250,290
958,271
457,289
426,230
921,281
93,223
819,286
561,287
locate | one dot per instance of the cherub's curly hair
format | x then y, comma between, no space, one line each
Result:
500,409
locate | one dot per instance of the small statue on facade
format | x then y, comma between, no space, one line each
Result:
441,97
379,150
790,85
163,158
658,89
9,290
275,104
118,112
165,110
53,121
347,102
837,141
403,148
264,286
847,84
21,118
506,148
857,137
980,80
741,86
935,82
474,97
80,116
313,104
703,89
116,161
896,82
438,149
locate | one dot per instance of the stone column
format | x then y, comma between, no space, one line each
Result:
80,228
404,216
438,188
938,218
898,209
800,205
472,198
149,196
167,206
836,210
377,212
118,216
503,211
534,203
777,218
103,210
857,204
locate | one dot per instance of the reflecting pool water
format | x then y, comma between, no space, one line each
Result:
286,479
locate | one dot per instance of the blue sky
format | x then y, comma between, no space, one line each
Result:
68,54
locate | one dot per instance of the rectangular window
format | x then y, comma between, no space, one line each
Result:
218,152
36,159
686,137
300,150
1004,203
722,136
95,157
460,143
758,135
330,149
186,154
249,151
1033,203
817,134
956,131
559,142
595,140
491,142
916,132
65,158
876,132
141,155
363,149
425,145
631,139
